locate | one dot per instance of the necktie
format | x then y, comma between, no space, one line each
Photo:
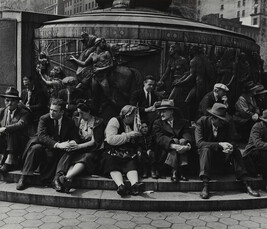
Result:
56,129
8,118
149,98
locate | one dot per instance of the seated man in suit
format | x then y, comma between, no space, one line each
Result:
217,95
256,149
145,99
55,135
173,136
214,143
14,121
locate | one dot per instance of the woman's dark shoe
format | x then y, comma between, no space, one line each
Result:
57,185
154,174
137,188
122,190
67,185
251,192
5,168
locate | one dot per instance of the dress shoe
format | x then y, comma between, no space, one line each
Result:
57,185
122,190
251,192
6,168
22,183
205,192
145,175
67,185
137,188
183,178
154,174
174,178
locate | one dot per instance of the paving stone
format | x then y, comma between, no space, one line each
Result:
200,227
251,213
12,226
221,214
5,209
259,220
70,227
88,225
17,212
181,226
32,223
68,209
142,214
105,214
51,219
195,222
108,227
69,222
175,219
236,227
3,216
1,223
14,220
228,221
122,217
160,223
86,211
105,221
141,220
69,215
156,215
34,215
5,204
51,226
125,224
189,215
19,206
263,214
36,208
216,225
88,218
208,218
249,224
145,226
240,217
52,211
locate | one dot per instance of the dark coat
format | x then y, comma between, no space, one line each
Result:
17,134
257,139
207,102
164,134
139,97
204,134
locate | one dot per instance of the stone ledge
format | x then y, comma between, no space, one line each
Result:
148,201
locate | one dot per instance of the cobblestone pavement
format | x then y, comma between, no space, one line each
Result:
13,215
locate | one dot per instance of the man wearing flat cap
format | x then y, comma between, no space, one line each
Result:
14,121
70,95
173,136
247,111
217,95
256,149
214,143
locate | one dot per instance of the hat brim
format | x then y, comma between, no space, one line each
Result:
10,96
254,88
261,92
167,108
220,117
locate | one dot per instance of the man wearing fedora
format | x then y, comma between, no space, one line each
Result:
217,95
14,121
256,149
246,110
213,139
173,136
260,98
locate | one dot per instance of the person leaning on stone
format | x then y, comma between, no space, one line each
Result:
55,135
256,149
173,136
214,144
14,122
145,99
246,110
217,95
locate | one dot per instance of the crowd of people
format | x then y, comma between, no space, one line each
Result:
149,137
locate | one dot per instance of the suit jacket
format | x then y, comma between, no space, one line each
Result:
139,97
204,134
207,102
17,128
164,134
257,139
38,102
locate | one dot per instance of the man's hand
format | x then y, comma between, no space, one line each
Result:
73,146
63,145
133,134
227,147
2,129
150,109
255,117
181,149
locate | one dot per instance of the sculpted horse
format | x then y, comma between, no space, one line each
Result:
109,85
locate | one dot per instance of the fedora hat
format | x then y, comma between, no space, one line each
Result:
260,90
218,110
166,104
12,93
251,86
264,116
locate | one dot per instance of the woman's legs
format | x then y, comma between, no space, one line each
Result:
117,177
75,170
132,177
